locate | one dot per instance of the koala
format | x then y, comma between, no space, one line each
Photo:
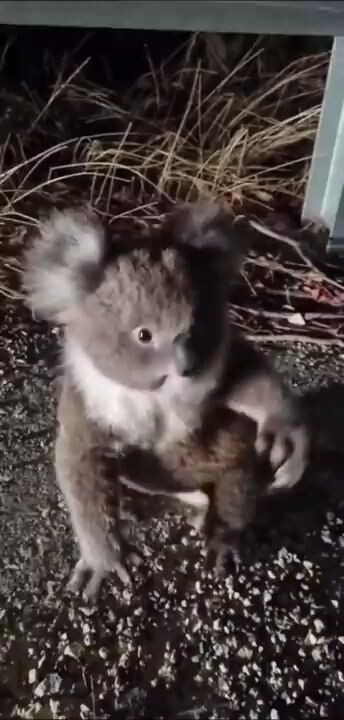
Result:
147,349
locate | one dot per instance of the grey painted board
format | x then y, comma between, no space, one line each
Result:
335,182
324,201
291,18
326,135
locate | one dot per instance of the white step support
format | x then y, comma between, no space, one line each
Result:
324,200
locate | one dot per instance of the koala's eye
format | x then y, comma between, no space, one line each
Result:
144,336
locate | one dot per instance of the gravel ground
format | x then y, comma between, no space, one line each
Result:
267,642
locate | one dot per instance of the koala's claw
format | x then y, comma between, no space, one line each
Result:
92,588
130,553
77,577
123,574
286,445
225,553
91,591
196,520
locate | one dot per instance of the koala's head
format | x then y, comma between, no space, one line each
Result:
143,311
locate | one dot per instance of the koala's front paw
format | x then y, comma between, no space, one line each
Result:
286,443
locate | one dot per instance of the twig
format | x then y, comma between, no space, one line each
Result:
285,315
295,338
297,247
282,238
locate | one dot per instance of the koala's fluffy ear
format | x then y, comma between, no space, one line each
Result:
63,264
203,225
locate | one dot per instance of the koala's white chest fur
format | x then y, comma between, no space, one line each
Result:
149,419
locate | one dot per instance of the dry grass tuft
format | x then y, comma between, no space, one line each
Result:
181,131
191,127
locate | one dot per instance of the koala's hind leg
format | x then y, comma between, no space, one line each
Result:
100,556
91,495
230,512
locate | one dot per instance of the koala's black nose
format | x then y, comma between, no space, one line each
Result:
186,356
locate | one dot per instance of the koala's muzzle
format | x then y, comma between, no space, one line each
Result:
187,357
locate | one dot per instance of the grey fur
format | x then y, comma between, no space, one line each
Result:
63,263
118,391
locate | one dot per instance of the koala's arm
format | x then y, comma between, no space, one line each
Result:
254,388
144,472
